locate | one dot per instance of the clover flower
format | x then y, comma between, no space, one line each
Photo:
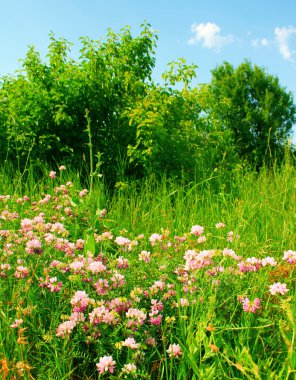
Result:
249,306
290,257
106,363
278,288
197,230
65,328
174,350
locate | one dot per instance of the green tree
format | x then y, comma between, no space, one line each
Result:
167,123
254,107
43,108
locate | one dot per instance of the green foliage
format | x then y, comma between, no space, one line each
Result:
254,107
43,108
134,126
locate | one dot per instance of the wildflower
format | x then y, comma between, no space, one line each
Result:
122,262
16,323
231,236
106,363
129,369
278,288
105,236
27,225
96,316
156,320
130,343
80,301
77,317
135,293
290,256
102,213
77,266
220,225
196,260
21,272
269,261
250,307
144,256
118,279
230,253
101,286
122,241
251,264
96,267
54,285
184,302
83,193
62,167
52,174
46,199
174,350
196,230
151,342
135,317
58,228
155,238
201,239
65,328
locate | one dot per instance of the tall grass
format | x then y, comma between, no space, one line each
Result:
199,307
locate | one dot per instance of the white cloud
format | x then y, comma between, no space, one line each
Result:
209,34
282,36
260,42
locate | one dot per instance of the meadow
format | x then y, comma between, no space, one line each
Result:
157,279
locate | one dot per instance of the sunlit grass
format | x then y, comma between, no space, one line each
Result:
175,281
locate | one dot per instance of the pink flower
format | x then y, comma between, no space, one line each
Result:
184,302
155,238
96,316
135,317
79,301
62,167
201,239
21,272
122,262
106,363
278,288
144,256
118,279
220,225
101,286
65,328
129,369
156,320
197,230
52,174
174,350
96,267
250,307
16,323
290,256
230,253
83,193
269,261
130,343
77,317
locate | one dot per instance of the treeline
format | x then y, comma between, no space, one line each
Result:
106,106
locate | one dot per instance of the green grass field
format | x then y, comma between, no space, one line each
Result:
156,280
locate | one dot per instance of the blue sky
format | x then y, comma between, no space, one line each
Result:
203,32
